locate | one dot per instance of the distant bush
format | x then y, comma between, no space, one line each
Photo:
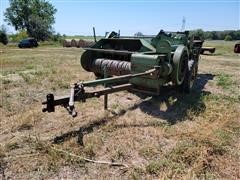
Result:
18,37
228,38
56,37
3,37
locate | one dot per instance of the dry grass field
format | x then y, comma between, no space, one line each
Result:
170,136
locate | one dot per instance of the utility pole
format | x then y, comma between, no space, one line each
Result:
183,24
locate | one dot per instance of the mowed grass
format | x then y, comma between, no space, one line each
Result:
171,136
223,48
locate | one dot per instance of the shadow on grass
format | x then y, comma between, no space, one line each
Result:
177,106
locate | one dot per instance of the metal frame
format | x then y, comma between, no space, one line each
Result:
78,91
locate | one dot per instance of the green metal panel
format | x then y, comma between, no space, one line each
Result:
141,63
146,46
148,83
174,39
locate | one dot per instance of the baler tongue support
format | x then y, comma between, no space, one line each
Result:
78,92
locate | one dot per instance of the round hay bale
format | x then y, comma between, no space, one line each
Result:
74,43
67,43
89,43
81,43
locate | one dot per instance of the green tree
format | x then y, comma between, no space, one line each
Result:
138,34
228,38
56,37
214,34
237,34
34,16
197,33
18,36
208,35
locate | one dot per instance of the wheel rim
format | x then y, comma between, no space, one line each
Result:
182,68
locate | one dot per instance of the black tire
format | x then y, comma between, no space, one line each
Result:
190,77
180,60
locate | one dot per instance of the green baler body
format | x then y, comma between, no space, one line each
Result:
140,65
142,54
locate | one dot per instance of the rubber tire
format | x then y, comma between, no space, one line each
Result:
178,55
190,77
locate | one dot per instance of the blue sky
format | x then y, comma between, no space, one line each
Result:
75,17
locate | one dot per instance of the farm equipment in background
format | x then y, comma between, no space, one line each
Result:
237,48
209,49
142,64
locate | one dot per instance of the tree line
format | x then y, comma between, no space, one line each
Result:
227,35
35,18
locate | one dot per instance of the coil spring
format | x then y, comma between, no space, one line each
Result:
114,67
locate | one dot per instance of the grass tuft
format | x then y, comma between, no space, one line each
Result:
224,80
89,150
11,146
